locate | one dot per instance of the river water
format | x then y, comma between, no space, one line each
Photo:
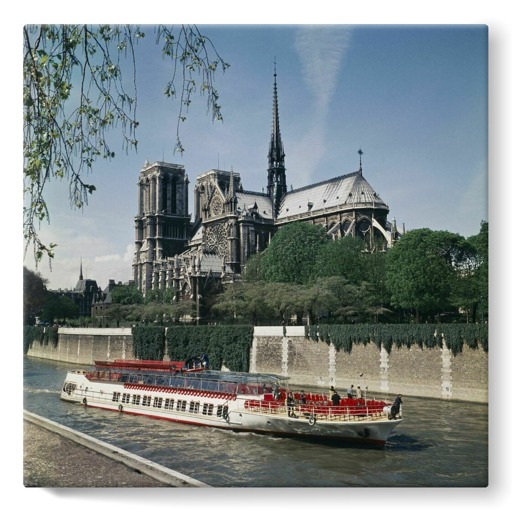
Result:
439,444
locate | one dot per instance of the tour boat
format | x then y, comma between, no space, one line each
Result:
189,392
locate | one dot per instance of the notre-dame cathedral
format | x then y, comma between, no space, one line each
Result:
230,224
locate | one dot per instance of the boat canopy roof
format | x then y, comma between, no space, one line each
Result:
241,377
210,380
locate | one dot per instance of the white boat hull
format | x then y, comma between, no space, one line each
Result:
228,411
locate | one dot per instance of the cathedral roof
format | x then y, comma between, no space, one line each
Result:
351,190
247,200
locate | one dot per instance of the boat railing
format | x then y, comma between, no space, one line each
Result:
323,412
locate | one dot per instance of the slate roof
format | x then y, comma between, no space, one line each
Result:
349,190
246,201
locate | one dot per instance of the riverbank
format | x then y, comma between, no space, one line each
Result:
57,456
410,370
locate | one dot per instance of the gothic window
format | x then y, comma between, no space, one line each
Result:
364,225
216,206
216,239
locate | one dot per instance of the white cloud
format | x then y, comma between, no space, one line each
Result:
107,258
321,52
128,255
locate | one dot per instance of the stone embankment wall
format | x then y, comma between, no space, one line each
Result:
433,373
84,346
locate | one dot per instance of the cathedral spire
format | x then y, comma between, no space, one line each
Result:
276,149
81,278
360,152
276,188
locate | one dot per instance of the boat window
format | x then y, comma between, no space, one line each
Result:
208,409
157,401
146,400
194,407
181,405
222,410
116,396
125,398
136,399
169,403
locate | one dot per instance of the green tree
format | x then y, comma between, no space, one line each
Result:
244,301
117,313
126,295
471,292
421,270
34,295
59,308
481,243
292,253
79,85
344,257
253,270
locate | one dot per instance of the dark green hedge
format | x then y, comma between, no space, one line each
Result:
226,344
43,335
149,342
388,335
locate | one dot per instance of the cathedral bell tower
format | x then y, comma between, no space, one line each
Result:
276,188
161,224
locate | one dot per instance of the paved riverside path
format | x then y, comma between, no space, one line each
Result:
57,456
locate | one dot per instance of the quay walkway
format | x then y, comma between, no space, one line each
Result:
57,456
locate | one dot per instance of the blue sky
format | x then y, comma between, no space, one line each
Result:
412,97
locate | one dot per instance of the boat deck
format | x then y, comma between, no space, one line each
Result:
348,410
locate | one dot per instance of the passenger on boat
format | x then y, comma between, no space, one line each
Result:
358,392
302,397
335,398
275,392
290,404
395,408
350,391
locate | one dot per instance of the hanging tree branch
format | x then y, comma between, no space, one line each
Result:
75,93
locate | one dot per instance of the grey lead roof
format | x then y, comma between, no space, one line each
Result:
349,190
246,201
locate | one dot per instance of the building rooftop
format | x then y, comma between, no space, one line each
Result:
349,190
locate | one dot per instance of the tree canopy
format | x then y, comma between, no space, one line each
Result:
126,295
423,268
292,254
79,86
343,258
34,295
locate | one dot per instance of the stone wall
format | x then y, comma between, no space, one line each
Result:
433,373
84,346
